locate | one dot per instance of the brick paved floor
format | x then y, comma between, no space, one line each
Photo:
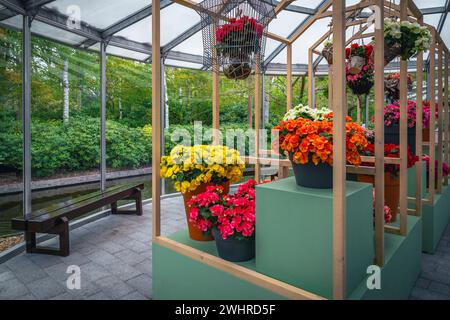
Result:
114,254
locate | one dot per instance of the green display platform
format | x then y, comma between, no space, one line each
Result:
294,234
436,216
177,277
435,220
402,265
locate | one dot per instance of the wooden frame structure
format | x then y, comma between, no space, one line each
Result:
339,14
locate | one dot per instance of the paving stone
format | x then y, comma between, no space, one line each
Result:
76,258
45,288
423,294
422,283
110,247
6,275
102,257
98,296
93,271
123,271
63,296
29,273
134,296
12,289
45,260
113,287
143,284
145,266
440,288
130,257
136,246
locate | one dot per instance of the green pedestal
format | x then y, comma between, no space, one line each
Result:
402,265
294,234
412,181
435,220
177,277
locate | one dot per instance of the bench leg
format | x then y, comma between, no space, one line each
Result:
62,230
137,197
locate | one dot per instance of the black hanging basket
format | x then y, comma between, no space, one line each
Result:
234,35
360,86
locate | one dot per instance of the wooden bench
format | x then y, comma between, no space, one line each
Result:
55,218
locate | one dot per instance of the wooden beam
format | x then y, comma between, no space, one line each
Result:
289,77
156,119
311,79
236,270
447,111
355,7
440,116
257,120
379,138
339,146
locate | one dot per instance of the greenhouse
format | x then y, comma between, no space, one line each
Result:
277,150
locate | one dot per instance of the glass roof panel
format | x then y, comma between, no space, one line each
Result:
99,13
182,64
312,4
286,22
445,34
432,19
142,30
124,53
193,45
429,3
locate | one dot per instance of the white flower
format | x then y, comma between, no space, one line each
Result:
307,112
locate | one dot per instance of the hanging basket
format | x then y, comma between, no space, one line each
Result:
360,86
233,34
327,53
391,52
392,86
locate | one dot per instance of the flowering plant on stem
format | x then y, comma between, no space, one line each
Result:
232,215
386,209
392,114
306,112
427,112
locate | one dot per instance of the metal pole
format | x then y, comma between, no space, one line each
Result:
163,116
26,113
103,115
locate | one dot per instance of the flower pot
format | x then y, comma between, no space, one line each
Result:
426,134
360,86
237,71
391,191
194,232
392,136
356,64
391,52
311,176
232,249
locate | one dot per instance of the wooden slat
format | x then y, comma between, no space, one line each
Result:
311,78
387,160
156,118
432,89
339,146
414,9
215,96
352,8
419,118
238,271
392,229
440,117
257,120
403,133
289,77
379,159
447,111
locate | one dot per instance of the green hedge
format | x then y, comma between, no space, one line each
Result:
75,146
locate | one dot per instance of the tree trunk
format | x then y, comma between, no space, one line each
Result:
66,91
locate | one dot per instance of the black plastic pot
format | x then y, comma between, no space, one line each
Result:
311,176
232,249
392,136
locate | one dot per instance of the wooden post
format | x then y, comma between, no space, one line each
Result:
257,119
432,90
339,147
403,133
215,96
156,119
419,152
330,87
379,137
447,111
440,116
289,77
358,109
311,79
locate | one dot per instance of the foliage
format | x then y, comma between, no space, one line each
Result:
392,114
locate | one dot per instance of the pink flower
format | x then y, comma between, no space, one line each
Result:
217,210
193,214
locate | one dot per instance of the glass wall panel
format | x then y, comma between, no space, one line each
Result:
65,122
10,134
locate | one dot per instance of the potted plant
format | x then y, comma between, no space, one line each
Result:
306,112
327,51
309,145
195,168
426,120
391,175
404,38
237,41
392,125
445,170
359,68
387,211
230,218
392,86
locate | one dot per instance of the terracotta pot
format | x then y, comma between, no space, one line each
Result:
391,191
195,233
426,134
